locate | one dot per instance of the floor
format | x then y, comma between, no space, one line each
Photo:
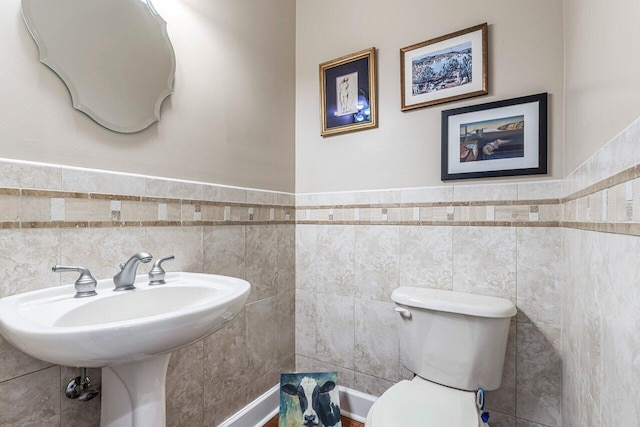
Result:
346,422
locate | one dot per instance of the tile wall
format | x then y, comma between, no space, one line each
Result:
601,294
353,249
52,215
562,251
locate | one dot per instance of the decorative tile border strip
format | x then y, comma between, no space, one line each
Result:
441,223
438,204
32,208
629,229
620,178
482,213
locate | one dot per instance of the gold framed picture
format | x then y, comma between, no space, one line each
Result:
348,99
444,69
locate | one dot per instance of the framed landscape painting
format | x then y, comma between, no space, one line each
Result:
502,138
348,100
444,69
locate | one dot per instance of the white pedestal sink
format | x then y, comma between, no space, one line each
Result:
129,334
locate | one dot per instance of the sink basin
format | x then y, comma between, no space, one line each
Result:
130,334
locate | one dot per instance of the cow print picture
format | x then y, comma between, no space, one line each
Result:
310,400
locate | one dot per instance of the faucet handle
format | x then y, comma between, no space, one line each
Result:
156,275
85,285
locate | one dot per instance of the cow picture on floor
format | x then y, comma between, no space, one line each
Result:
317,398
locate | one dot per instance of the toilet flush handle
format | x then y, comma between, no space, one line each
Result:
404,312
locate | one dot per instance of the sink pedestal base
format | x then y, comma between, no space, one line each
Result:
133,395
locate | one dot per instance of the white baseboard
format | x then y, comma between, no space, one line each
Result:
353,404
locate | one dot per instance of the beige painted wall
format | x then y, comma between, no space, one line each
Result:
602,82
224,124
526,57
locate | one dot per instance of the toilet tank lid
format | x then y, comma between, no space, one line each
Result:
454,302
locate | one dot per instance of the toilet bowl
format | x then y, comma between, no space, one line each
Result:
455,343
422,403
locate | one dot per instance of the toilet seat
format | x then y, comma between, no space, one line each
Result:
422,403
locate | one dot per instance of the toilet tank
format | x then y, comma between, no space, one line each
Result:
453,338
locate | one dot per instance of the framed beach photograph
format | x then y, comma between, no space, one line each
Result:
348,100
444,69
503,138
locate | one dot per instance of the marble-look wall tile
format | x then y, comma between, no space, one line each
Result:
376,261
335,255
306,200
224,251
538,275
539,190
101,250
88,181
286,336
262,197
286,199
571,411
35,209
484,261
591,287
26,258
14,363
590,412
262,334
286,257
185,243
216,412
504,398
539,374
262,257
26,175
571,308
478,192
31,400
498,419
526,423
9,207
305,323
620,338
427,194
333,199
426,258
196,421
218,193
370,384
185,384
335,329
376,339
377,197
308,364
160,187
305,255
225,359
74,413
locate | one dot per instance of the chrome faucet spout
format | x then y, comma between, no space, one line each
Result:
126,278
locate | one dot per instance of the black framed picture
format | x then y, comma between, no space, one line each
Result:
348,100
503,138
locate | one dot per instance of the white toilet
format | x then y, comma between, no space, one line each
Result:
455,343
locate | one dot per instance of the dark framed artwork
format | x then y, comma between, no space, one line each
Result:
444,69
348,101
503,138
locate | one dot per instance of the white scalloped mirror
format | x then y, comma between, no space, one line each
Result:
115,57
